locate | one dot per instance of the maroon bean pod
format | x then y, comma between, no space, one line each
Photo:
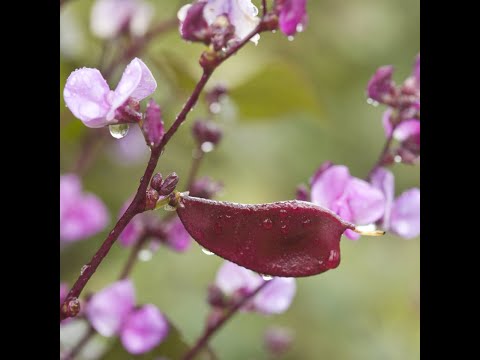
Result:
287,238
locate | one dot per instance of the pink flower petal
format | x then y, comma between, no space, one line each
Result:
137,82
330,185
366,203
383,180
109,308
85,94
405,218
232,277
387,125
276,297
408,129
352,235
144,329
178,238
293,14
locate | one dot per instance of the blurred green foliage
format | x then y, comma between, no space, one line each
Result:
293,105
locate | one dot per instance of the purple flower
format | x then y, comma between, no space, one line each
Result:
402,215
242,14
144,329
292,15
81,214
112,312
193,26
353,199
274,299
109,18
89,98
381,85
178,239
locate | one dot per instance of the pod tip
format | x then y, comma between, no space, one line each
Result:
369,233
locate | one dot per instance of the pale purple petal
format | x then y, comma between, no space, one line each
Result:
405,218
232,277
193,26
70,191
85,94
276,297
130,149
387,125
141,19
408,129
81,214
109,308
330,186
241,13
137,82
366,203
144,329
134,228
383,180
293,16
177,237
109,17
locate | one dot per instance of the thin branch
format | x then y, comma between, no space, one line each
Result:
138,204
210,331
83,341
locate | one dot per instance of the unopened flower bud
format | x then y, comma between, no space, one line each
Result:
381,85
153,125
205,188
156,182
302,193
169,184
216,297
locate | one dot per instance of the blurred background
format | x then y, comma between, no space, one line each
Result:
292,105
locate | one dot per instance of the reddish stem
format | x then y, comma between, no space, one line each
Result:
210,331
138,204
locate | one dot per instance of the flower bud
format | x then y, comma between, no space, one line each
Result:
206,131
169,184
153,125
381,85
156,182
151,199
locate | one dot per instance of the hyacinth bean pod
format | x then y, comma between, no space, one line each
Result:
288,238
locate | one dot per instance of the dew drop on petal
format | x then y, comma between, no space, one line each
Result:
397,159
290,38
215,107
266,277
119,131
206,252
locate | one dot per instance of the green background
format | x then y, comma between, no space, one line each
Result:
292,105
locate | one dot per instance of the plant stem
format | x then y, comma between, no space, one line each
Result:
138,204
210,331
132,258
380,160
83,341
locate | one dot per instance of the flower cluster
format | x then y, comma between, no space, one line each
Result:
81,214
401,121
112,311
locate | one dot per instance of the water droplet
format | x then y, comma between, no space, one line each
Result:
333,258
290,38
254,10
207,146
218,228
84,267
266,277
215,107
267,224
274,31
372,102
206,252
169,208
283,213
299,28
284,229
119,131
145,255
306,222
397,159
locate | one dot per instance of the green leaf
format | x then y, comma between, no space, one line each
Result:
279,89
173,348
